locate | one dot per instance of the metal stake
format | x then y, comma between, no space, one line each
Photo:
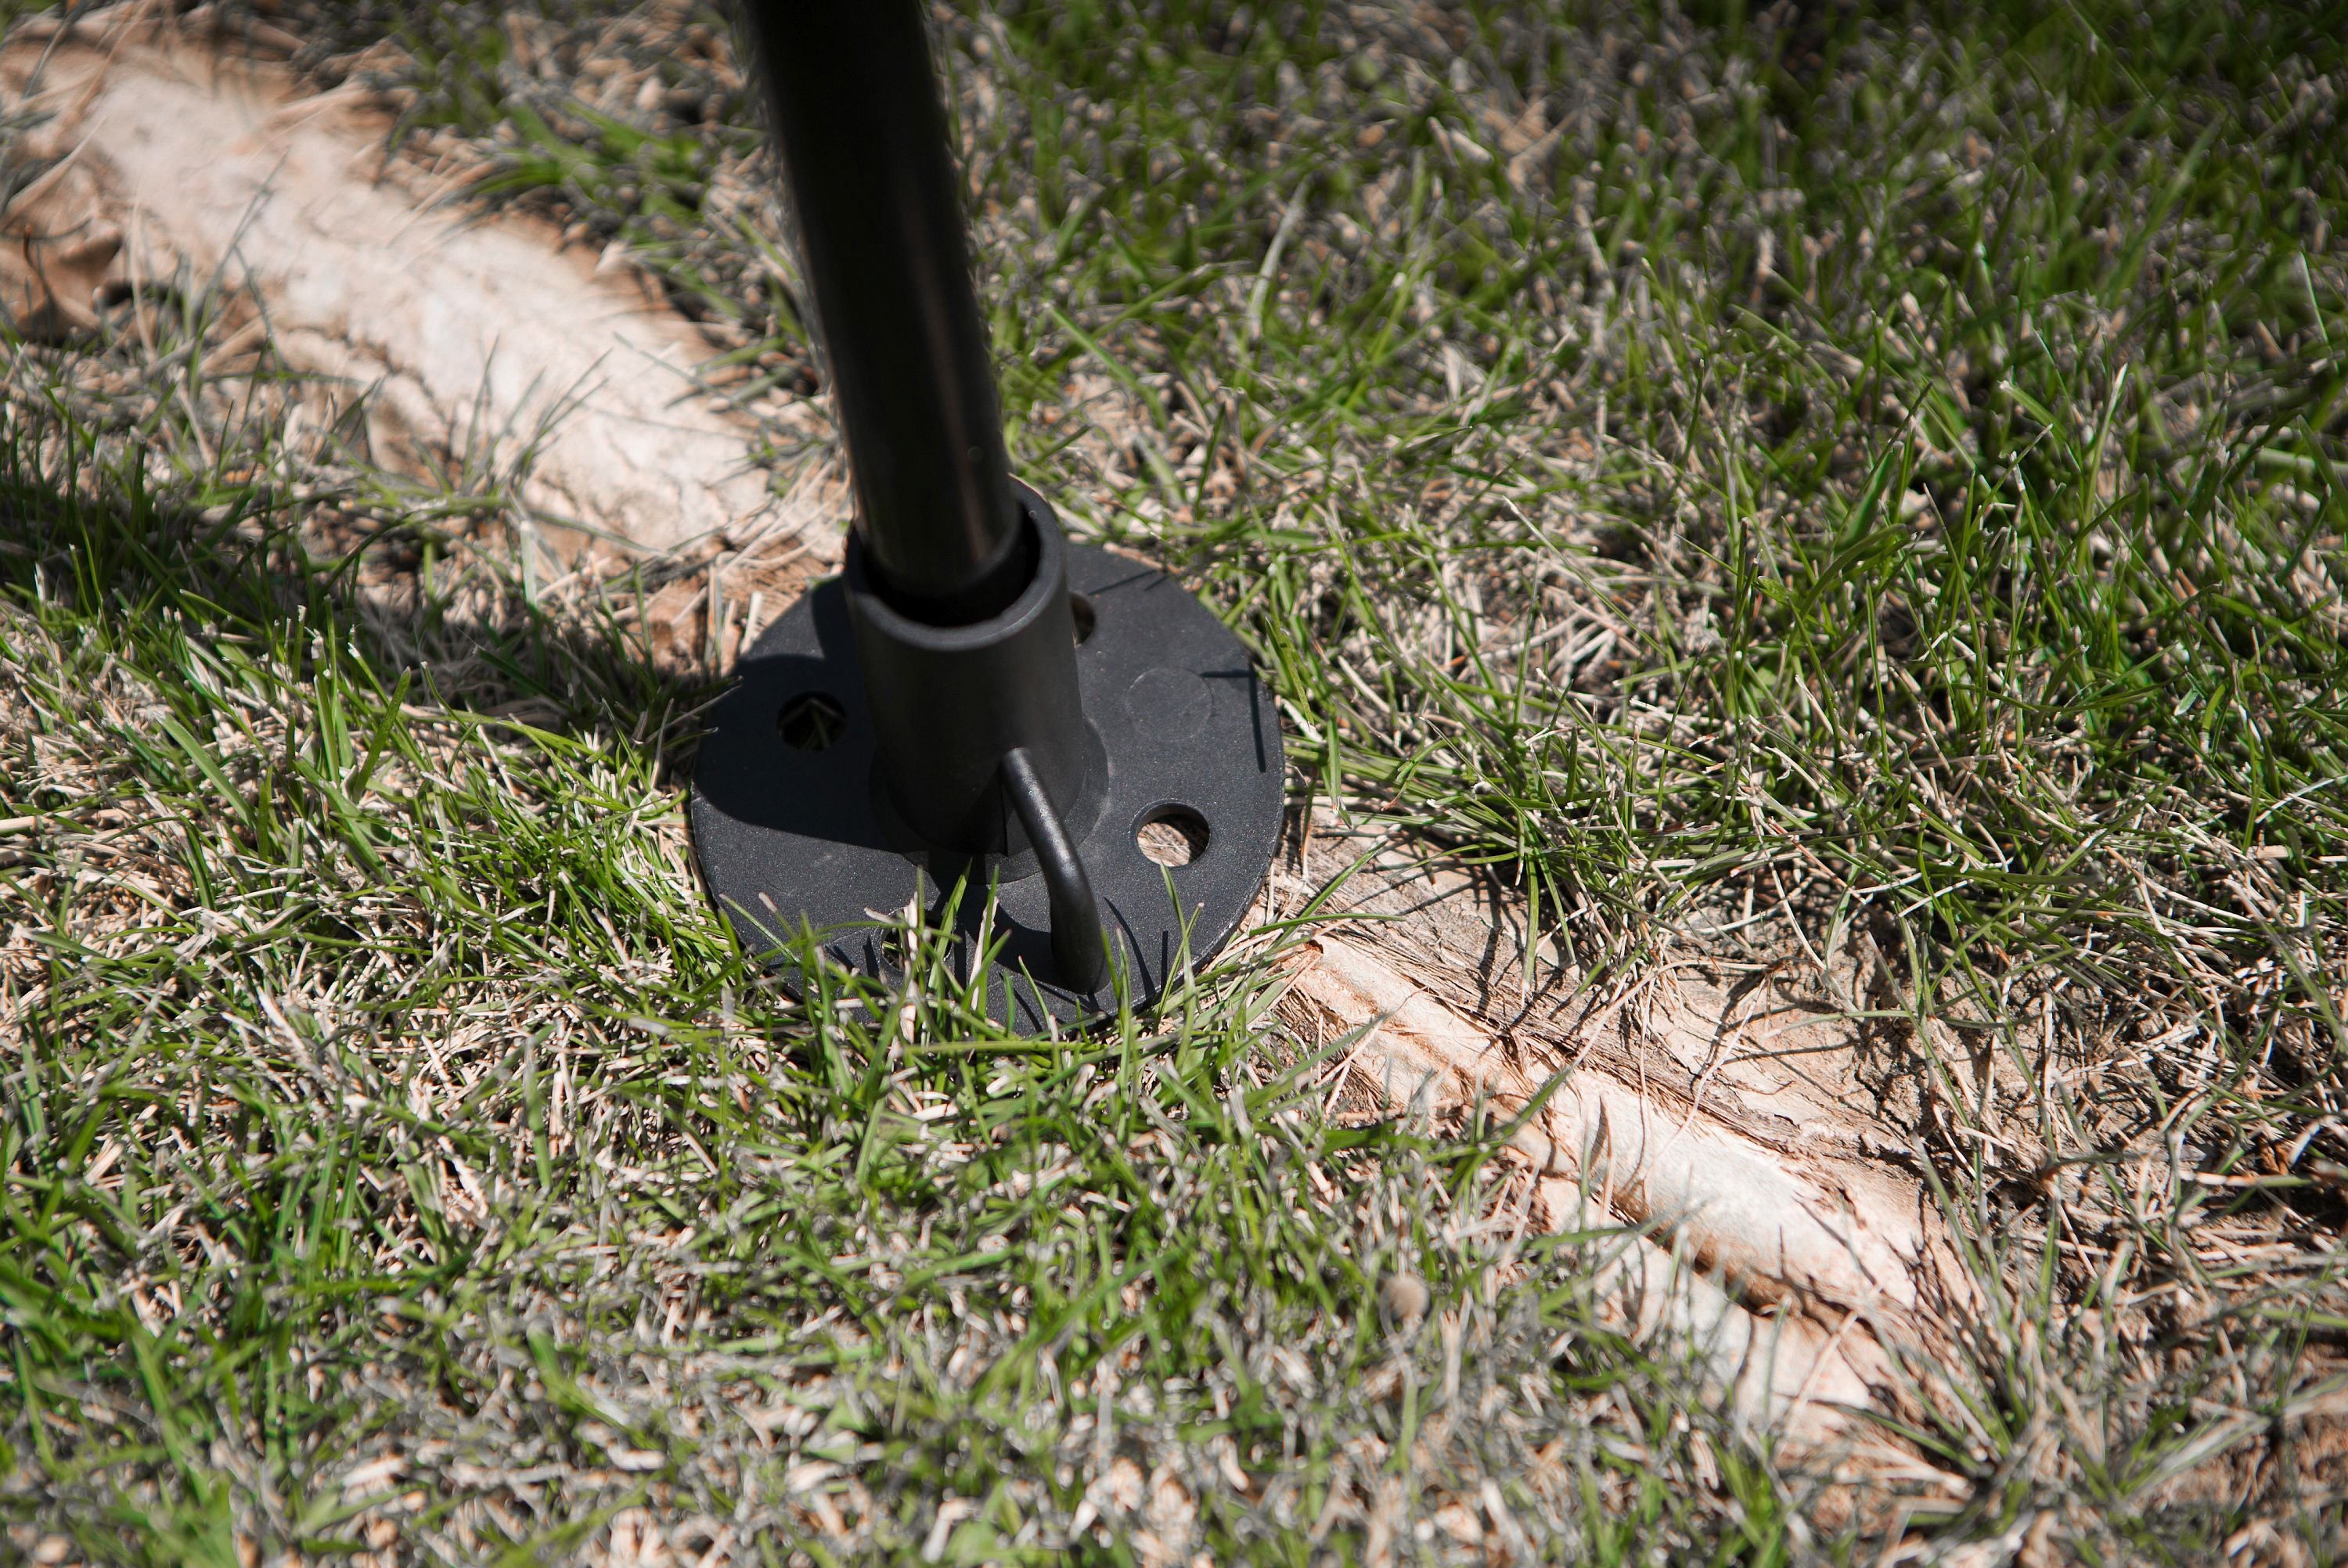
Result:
974,702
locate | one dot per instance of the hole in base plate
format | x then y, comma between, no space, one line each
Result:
1080,610
811,722
1171,834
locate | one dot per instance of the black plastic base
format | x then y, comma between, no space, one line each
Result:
792,831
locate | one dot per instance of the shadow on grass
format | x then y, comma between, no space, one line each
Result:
442,628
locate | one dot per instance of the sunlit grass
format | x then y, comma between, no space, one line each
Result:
1881,473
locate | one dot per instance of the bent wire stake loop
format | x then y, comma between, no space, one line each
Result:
1076,946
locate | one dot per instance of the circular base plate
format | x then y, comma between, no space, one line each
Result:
789,838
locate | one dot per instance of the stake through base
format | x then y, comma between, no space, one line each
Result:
791,828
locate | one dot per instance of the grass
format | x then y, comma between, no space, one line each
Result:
1880,471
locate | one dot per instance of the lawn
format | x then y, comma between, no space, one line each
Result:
1844,501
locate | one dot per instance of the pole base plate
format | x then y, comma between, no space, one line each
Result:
793,833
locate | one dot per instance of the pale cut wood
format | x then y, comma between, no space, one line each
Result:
478,336
1721,1222
1739,1210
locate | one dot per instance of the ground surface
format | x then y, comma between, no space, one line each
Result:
1840,511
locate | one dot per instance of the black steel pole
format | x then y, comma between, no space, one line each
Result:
1004,712
863,136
